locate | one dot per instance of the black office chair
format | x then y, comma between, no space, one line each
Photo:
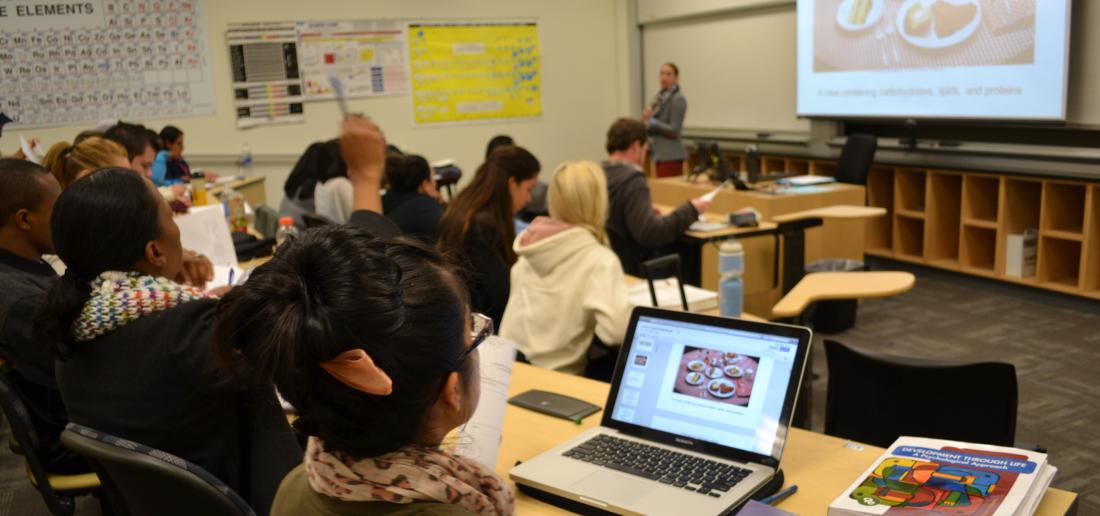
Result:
856,158
664,267
57,491
141,480
875,398
313,220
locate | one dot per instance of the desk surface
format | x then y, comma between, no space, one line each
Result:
820,465
821,286
717,233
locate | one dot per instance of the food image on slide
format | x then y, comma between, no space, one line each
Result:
916,34
713,375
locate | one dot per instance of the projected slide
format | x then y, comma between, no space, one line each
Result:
967,59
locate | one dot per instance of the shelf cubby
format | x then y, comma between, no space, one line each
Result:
978,249
1059,262
1063,207
1090,259
823,168
941,236
770,166
909,238
1020,204
798,166
880,194
980,199
909,186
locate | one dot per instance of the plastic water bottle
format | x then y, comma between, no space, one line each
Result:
731,289
245,162
287,231
235,213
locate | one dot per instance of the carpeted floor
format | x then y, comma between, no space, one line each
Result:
1053,340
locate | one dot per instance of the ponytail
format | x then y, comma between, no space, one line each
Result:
54,320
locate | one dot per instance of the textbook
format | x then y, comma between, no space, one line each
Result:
935,476
668,296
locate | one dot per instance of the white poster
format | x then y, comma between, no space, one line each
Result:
368,56
63,63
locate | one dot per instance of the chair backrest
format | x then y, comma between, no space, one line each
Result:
334,199
142,480
874,398
22,431
856,158
267,221
664,267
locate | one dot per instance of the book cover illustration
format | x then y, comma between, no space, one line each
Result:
918,480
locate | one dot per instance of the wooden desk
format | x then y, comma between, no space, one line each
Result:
820,465
251,187
821,286
836,238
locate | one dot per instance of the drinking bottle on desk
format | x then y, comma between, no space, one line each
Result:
198,189
731,288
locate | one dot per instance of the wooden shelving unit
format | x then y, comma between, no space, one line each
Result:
880,193
960,220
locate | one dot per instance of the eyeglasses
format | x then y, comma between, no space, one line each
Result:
481,327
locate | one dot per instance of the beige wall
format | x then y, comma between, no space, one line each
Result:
583,45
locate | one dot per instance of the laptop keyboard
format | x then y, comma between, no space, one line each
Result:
703,476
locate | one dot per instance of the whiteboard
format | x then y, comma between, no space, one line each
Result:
737,70
62,63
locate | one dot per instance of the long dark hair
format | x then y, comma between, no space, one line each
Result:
487,198
100,223
337,288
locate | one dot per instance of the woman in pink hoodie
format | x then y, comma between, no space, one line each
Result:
567,285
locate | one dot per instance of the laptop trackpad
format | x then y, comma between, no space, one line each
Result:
608,486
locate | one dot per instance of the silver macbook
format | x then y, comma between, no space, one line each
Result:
695,422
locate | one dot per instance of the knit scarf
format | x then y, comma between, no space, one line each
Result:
119,298
413,473
663,97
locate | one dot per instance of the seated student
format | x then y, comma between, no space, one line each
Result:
637,233
320,162
177,170
27,195
412,200
68,162
566,269
135,347
477,225
379,357
141,150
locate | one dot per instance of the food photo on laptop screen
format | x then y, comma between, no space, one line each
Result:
719,385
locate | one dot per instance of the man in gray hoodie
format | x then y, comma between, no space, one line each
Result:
637,233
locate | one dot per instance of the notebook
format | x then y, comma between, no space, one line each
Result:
695,422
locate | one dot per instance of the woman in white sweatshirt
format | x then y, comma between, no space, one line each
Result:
567,285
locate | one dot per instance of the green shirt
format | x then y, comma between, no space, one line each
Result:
295,497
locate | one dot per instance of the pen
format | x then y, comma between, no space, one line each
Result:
780,496
231,271
338,92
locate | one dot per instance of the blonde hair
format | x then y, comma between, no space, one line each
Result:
66,161
578,196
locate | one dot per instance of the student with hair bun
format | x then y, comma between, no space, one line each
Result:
378,355
412,200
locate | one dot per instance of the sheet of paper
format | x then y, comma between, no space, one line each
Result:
205,231
668,296
706,225
480,439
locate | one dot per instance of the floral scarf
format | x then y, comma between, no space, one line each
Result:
119,298
411,474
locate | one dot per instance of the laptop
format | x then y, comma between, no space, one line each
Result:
695,422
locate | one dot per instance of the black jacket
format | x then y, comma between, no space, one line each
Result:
156,381
414,213
23,285
490,281
634,230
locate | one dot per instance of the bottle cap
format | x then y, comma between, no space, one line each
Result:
286,221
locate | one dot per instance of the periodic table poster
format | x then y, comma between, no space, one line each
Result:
69,62
463,72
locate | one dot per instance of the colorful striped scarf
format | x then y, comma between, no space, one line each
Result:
119,298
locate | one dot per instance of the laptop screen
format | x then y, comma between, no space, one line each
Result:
707,383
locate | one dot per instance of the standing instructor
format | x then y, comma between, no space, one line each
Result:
664,119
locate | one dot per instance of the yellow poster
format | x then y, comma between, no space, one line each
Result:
475,71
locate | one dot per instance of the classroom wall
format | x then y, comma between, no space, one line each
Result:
584,72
